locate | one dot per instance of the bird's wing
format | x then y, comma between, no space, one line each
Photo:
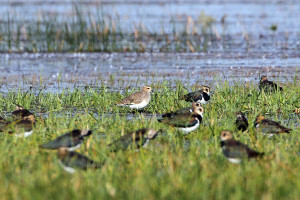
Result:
193,96
177,112
183,120
271,126
62,141
235,149
132,99
77,160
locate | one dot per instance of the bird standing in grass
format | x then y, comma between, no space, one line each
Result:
201,96
20,127
71,160
137,100
234,150
71,141
136,139
185,122
269,127
241,121
268,86
20,112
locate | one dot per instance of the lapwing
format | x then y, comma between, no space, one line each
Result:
241,121
20,127
269,127
71,160
182,111
20,112
201,96
234,150
137,100
136,139
186,122
70,141
268,86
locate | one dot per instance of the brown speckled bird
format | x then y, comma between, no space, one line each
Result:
137,100
269,127
234,150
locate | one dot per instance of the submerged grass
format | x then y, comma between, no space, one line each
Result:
173,167
102,32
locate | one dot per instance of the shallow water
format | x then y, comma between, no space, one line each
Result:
55,72
246,49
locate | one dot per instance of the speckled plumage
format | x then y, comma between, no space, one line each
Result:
137,100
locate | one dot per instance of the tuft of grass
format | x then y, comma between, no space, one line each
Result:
172,167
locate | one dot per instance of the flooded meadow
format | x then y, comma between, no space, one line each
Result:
71,62
58,45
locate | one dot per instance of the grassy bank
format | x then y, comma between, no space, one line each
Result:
173,167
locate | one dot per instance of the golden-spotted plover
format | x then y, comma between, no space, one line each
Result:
137,100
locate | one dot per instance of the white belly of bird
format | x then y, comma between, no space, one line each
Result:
265,134
26,134
202,101
190,129
234,160
146,143
139,106
74,148
66,168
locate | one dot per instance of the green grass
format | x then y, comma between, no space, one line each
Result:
173,167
